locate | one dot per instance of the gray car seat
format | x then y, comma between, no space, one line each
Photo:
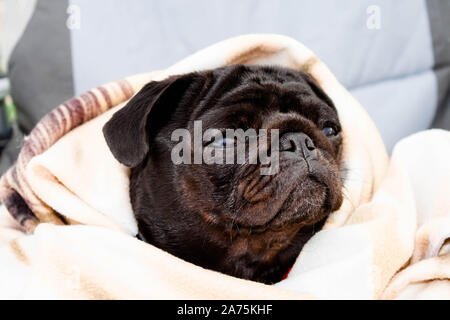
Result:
394,56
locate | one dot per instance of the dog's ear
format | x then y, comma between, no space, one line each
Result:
126,133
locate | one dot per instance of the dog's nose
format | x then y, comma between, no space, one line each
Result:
299,143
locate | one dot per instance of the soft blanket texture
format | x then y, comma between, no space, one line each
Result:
67,228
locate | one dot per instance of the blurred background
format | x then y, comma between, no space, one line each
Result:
394,56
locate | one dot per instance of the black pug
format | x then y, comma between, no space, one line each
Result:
229,217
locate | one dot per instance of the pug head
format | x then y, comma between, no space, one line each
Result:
231,217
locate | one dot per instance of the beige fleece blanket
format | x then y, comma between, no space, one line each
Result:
67,227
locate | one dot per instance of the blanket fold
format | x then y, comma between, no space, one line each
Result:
67,227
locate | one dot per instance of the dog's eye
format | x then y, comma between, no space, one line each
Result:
223,143
330,131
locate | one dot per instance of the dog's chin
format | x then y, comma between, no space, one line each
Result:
305,205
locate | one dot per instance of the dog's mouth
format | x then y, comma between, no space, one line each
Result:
306,204
292,198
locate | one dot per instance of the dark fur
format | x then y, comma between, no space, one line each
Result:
230,218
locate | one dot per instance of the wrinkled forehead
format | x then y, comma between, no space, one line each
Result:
257,96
